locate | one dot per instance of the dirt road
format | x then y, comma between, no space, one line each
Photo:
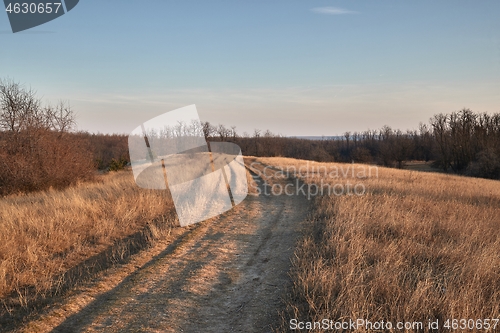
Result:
224,275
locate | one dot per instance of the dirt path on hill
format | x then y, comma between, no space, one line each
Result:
224,275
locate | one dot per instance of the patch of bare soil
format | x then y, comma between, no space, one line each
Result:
228,274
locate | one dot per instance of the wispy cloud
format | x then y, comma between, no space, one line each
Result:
332,11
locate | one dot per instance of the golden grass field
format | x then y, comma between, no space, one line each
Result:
415,246
47,233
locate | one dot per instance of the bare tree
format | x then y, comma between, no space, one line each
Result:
223,132
19,108
208,130
60,118
234,134
37,150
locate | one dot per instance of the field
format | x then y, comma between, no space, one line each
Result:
356,241
52,241
415,246
47,234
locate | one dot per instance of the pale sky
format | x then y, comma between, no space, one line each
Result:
294,67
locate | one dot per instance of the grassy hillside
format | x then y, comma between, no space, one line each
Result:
385,244
53,239
46,234
415,246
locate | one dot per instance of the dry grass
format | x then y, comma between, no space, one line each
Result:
45,234
252,185
415,246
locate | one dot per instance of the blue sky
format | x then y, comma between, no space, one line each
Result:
294,67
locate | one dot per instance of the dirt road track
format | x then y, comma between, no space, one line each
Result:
224,275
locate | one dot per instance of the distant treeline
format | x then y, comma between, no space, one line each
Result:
462,142
39,148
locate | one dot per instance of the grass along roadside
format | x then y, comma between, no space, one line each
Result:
45,235
415,246
52,240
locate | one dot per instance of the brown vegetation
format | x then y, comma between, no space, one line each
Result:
46,234
415,246
37,150
54,239
110,151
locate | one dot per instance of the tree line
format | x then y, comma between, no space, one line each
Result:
39,147
461,142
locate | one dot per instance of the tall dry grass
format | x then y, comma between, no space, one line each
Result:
49,238
416,246
45,234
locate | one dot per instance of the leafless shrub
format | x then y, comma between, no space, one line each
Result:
37,150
